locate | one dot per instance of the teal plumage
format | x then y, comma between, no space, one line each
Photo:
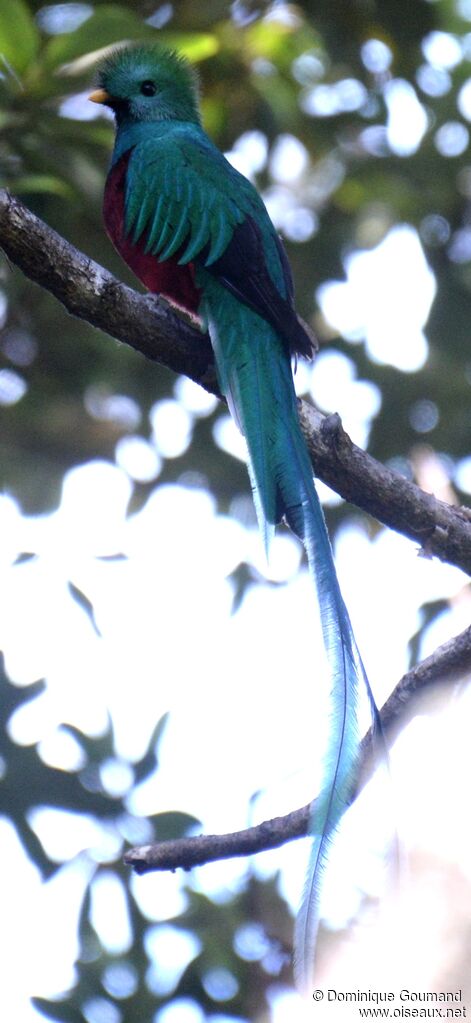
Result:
196,230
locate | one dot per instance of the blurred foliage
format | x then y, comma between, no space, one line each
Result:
133,980
68,394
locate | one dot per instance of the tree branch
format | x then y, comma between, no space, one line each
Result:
151,327
449,663
442,530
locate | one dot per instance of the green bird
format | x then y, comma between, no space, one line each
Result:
195,230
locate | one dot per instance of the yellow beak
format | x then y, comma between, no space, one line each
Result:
99,96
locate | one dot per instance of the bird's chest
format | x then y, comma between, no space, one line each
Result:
167,278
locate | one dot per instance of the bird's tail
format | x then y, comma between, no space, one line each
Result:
255,375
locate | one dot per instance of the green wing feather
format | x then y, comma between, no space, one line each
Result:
179,192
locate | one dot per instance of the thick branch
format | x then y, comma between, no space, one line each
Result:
449,663
149,326
93,294
441,529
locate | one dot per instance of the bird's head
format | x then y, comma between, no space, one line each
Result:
146,83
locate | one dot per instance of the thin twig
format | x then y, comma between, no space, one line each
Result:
448,664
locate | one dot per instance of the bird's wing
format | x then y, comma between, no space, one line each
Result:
184,201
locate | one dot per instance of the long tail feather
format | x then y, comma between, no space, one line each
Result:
255,375
346,673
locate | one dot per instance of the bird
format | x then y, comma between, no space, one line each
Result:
194,230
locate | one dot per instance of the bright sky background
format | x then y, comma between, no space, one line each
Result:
254,670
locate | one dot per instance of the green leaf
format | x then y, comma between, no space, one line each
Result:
110,23
148,763
19,37
279,41
42,183
194,45
61,1011
172,824
83,601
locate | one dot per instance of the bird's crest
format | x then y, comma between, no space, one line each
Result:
128,68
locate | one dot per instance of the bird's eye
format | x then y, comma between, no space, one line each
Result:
148,88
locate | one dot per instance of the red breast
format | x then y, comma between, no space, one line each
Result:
167,278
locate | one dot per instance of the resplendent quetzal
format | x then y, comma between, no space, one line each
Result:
194,230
